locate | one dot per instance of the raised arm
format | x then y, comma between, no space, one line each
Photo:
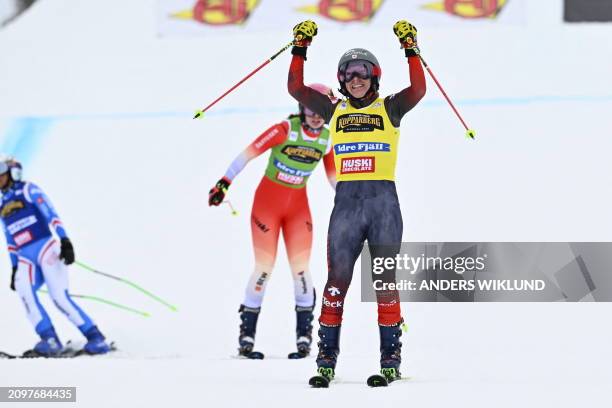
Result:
313,100
400,103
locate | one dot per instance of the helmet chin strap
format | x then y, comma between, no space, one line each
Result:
310,129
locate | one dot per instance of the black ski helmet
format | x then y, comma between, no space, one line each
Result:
358,54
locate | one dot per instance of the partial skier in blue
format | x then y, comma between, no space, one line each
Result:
40,251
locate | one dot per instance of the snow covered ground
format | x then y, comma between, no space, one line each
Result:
99,110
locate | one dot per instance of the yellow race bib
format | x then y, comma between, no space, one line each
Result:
365,142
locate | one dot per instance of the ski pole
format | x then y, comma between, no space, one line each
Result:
107,302
200,113
127,282
468,132
228,202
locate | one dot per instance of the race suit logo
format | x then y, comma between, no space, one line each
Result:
260,281
360,147
21,224
345,11
11,207
357,165
359,122
334,291
219,12
23,238
260,224
303,282
290,170
303,154
469,8
289,179
328,303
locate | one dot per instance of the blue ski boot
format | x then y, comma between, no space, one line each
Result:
328,355
48,346
96,342
304,318
391,351
248,327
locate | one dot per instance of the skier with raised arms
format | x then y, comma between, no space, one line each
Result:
365,134
281,203
31,226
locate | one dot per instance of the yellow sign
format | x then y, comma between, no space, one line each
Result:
469,8
345,11
219,12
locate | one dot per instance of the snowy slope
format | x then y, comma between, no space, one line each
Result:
100,111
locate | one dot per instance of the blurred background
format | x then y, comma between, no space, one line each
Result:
96,101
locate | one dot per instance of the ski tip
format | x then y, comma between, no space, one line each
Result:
296,355
256,355
377,380
318,381
253,355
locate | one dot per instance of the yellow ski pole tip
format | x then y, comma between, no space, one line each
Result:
471,134
235,213
198,115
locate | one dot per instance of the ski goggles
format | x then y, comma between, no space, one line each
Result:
359,69
308,112
4,167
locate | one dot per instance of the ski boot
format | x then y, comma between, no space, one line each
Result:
48,346
391,351
304,318
96,342
246,340
327,357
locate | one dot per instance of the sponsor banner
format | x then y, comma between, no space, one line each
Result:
204,17
578,11
302,154
360,147
362,164
290,170
23,238
21,224
289,179
489,271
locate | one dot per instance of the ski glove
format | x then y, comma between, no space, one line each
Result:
217,193
407,35
13,278
302,37
67,251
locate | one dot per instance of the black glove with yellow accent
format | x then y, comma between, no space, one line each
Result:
407,34
217,193
303,34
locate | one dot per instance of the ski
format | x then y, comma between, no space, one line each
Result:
69,351
318,381
386,377
322,379
252,355
301,353
7,355
377,380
